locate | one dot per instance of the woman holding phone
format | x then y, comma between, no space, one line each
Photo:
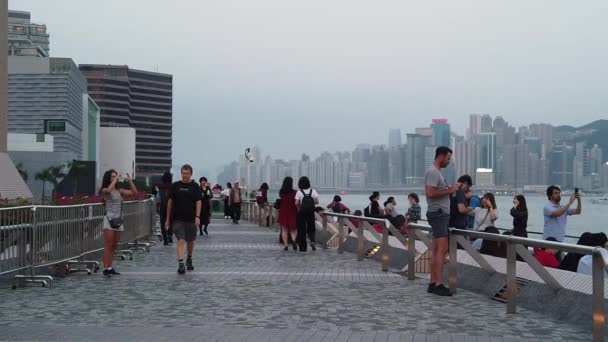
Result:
112,219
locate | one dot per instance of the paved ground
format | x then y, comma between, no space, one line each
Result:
245,288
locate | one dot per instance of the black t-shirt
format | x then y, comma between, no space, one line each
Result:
458,220
185,196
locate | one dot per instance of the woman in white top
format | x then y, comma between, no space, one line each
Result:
485,216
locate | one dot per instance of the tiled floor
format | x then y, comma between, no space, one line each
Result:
246,288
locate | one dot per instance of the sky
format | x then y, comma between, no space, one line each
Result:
309,76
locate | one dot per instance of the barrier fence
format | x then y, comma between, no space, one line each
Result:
38,236
515,246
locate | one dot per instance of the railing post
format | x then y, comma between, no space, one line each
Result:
599,313
411,247
360,241
453,266
385,247
340,235
260,215
511,278
324,218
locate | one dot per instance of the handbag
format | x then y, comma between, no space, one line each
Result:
117,222
277,203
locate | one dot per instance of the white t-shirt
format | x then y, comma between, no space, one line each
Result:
391,210
585,265
482,219
300,195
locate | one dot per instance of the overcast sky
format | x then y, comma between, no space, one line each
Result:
317,75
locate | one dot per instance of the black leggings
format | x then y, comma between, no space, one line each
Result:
306,226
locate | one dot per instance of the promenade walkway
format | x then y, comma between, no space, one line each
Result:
245,288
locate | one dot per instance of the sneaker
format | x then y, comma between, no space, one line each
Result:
166,243
170,240
107,273
113,272
431,288
181,269
295,246
205,231
189,264
443,291
312,246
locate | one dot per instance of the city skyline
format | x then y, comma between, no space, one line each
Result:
494,153
269,64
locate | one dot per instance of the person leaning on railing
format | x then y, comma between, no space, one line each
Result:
112,220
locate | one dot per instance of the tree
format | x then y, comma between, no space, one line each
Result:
22,172
52,175
43,176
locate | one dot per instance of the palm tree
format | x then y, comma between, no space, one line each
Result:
22,172
52,175
43,176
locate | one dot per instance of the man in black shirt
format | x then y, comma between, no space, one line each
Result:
184,215
459,207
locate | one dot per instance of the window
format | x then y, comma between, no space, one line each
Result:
55,126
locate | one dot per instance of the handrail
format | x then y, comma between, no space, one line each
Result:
355,217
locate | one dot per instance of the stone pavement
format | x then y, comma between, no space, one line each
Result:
246,288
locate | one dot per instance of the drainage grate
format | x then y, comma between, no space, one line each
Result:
501,295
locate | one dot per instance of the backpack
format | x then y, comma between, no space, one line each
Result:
308,203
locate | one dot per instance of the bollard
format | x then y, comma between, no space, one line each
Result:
511,278
385,247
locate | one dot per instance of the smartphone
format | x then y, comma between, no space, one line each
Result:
576,190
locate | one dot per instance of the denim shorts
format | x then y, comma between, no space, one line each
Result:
439,222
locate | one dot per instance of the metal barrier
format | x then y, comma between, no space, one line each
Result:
39,236
514,246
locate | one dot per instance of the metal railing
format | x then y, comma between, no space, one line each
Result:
39,236
514,246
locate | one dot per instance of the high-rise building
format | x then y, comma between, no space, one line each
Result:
465,158
546,133
46,97
486,124
604,175
416,144
377,167
596,159
486,150
26,38
394,138
474,126
395,165
561,169
139,99
441,132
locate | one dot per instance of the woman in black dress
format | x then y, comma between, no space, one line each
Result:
520,216
205,206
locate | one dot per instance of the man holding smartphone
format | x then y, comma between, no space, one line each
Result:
438,198
184,215
556,215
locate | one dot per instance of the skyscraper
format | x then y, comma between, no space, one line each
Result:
139,99
394,137
474,126
441,132
546,133
486,151
561,169
486,124
26,38
465,158
416,144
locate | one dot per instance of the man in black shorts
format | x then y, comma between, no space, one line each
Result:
438,198
184,215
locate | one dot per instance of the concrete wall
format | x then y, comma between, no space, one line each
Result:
117,149
28,142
